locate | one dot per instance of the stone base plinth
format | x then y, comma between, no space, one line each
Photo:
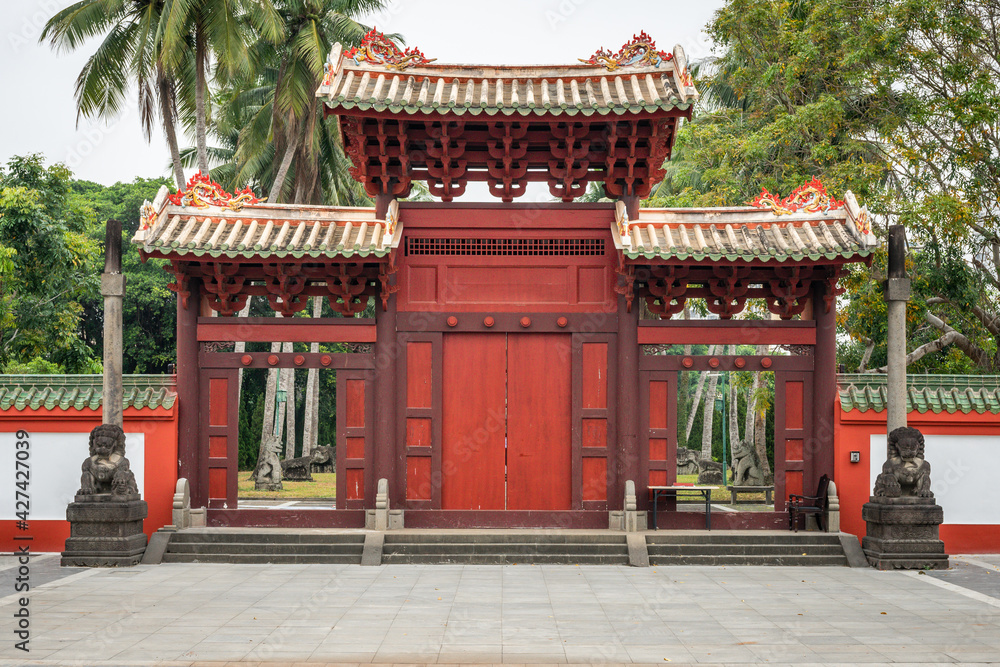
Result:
902,534
105,531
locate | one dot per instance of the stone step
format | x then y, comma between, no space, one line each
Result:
723,537
505,559
694,559
265,548
745,549
513,549
182,537
508,537
257,558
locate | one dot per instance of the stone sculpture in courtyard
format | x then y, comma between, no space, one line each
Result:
687,461
298,469
324,459
745,470
905,472
106,515
902,518
267,475
107,470
709,472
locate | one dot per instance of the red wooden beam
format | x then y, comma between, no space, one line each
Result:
727,333
294,330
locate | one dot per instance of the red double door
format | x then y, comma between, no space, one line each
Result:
506,421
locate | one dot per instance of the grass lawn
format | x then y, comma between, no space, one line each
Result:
325,486
721,494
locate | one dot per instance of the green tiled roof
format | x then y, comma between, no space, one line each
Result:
78,392
934,393
263,231
745,233
523,90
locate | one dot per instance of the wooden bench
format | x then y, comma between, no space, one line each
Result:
768,492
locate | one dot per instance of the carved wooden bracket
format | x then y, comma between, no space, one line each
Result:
346,284
446,172
788,291
181,284
507,166
284,284
625,289
227,288
666,290
831,291
568,168
388,289
729,290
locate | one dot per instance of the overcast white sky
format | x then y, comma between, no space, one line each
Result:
39,116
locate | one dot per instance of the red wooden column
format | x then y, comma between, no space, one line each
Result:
386,351
819,454
629,459
189,394
386,456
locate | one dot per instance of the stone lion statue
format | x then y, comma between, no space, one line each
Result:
745,470
267,475
107,470
905,473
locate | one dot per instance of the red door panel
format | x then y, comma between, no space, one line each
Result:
539,415
473,421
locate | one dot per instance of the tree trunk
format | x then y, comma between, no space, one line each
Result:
734,408
288,384
286,163
307,161
748,417
760,431
169,117
270,394
709,417
692,414
239,348
200,91
310,426
684,388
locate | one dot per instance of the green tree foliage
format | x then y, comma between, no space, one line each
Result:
896,100
48,267
128,58
149,310
934,69
214,32
779,106
269,122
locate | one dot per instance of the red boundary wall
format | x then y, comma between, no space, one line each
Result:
853,431
160,428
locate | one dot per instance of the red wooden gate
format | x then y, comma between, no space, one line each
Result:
539,414
507,421
474,417
218,453
354,442
220,435
793,421
658,396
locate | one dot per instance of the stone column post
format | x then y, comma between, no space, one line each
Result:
113,291
897,294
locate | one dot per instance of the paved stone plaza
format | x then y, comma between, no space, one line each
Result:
213,614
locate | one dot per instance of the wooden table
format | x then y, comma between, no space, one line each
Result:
672,491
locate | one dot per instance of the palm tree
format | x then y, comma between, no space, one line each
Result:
129,55
219,28
286,144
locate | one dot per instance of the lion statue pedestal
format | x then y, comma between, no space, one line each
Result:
106,516
902,517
